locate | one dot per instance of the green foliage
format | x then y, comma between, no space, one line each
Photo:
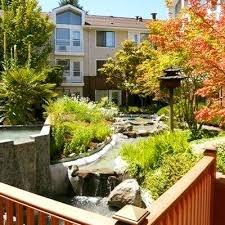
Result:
221,159
71,2
172,169
158,162
24,26
76,124
147,154
54,75
5,3
121,70
21,91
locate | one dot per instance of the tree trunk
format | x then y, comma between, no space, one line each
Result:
126,99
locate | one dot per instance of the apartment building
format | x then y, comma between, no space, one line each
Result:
82,44
180,4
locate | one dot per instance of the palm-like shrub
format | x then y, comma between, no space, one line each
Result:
21,91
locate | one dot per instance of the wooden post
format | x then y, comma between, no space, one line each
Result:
171,111
212,153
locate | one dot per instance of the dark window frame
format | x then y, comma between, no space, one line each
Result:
101,39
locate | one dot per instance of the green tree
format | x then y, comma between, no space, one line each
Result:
122,68
22,91
70,2
6,2
24,26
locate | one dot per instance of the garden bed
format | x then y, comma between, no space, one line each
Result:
79,128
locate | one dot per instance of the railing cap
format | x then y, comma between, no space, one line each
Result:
210,152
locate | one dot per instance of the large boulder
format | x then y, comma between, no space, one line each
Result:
128,192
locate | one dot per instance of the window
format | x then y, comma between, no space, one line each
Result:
65,64
136,38
178,7
76,38
63,37
112,95
105,39
100,94
99,65
76,69
68,17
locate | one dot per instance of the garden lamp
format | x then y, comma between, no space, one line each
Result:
170,80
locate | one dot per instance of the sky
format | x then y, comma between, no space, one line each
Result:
125,8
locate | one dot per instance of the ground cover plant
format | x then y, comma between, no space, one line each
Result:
78,125
160,161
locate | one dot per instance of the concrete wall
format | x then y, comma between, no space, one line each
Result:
26,165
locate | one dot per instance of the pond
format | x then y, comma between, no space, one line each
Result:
18,134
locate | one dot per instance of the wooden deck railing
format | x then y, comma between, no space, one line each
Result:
189,202
20,207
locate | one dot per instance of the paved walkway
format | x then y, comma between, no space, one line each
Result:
200,146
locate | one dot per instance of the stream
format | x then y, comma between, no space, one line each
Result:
96,201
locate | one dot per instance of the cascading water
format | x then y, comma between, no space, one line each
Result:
93,183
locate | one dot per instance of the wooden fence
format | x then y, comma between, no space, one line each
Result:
189,202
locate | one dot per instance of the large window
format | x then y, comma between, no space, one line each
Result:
99,65
113,95
68,17
105,39
63,36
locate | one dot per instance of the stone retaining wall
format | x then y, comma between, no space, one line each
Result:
26,165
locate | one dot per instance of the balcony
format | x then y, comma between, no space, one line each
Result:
196,199
72,78
68,48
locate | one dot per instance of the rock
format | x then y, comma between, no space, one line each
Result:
143,133
72,155
130,134
146,198
128,192
75,180
120,165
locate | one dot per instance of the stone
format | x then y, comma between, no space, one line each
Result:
120,166
143,133
72,155
130,134
126,193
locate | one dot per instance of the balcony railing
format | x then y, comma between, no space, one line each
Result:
73,77
189,202
68,47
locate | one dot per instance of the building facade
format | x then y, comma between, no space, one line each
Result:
82,44
178,5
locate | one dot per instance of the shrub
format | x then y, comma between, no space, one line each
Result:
158,162
221,159
173,168
147,154
23,91
76,123
79,142
101,131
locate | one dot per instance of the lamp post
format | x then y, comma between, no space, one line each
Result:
170,80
